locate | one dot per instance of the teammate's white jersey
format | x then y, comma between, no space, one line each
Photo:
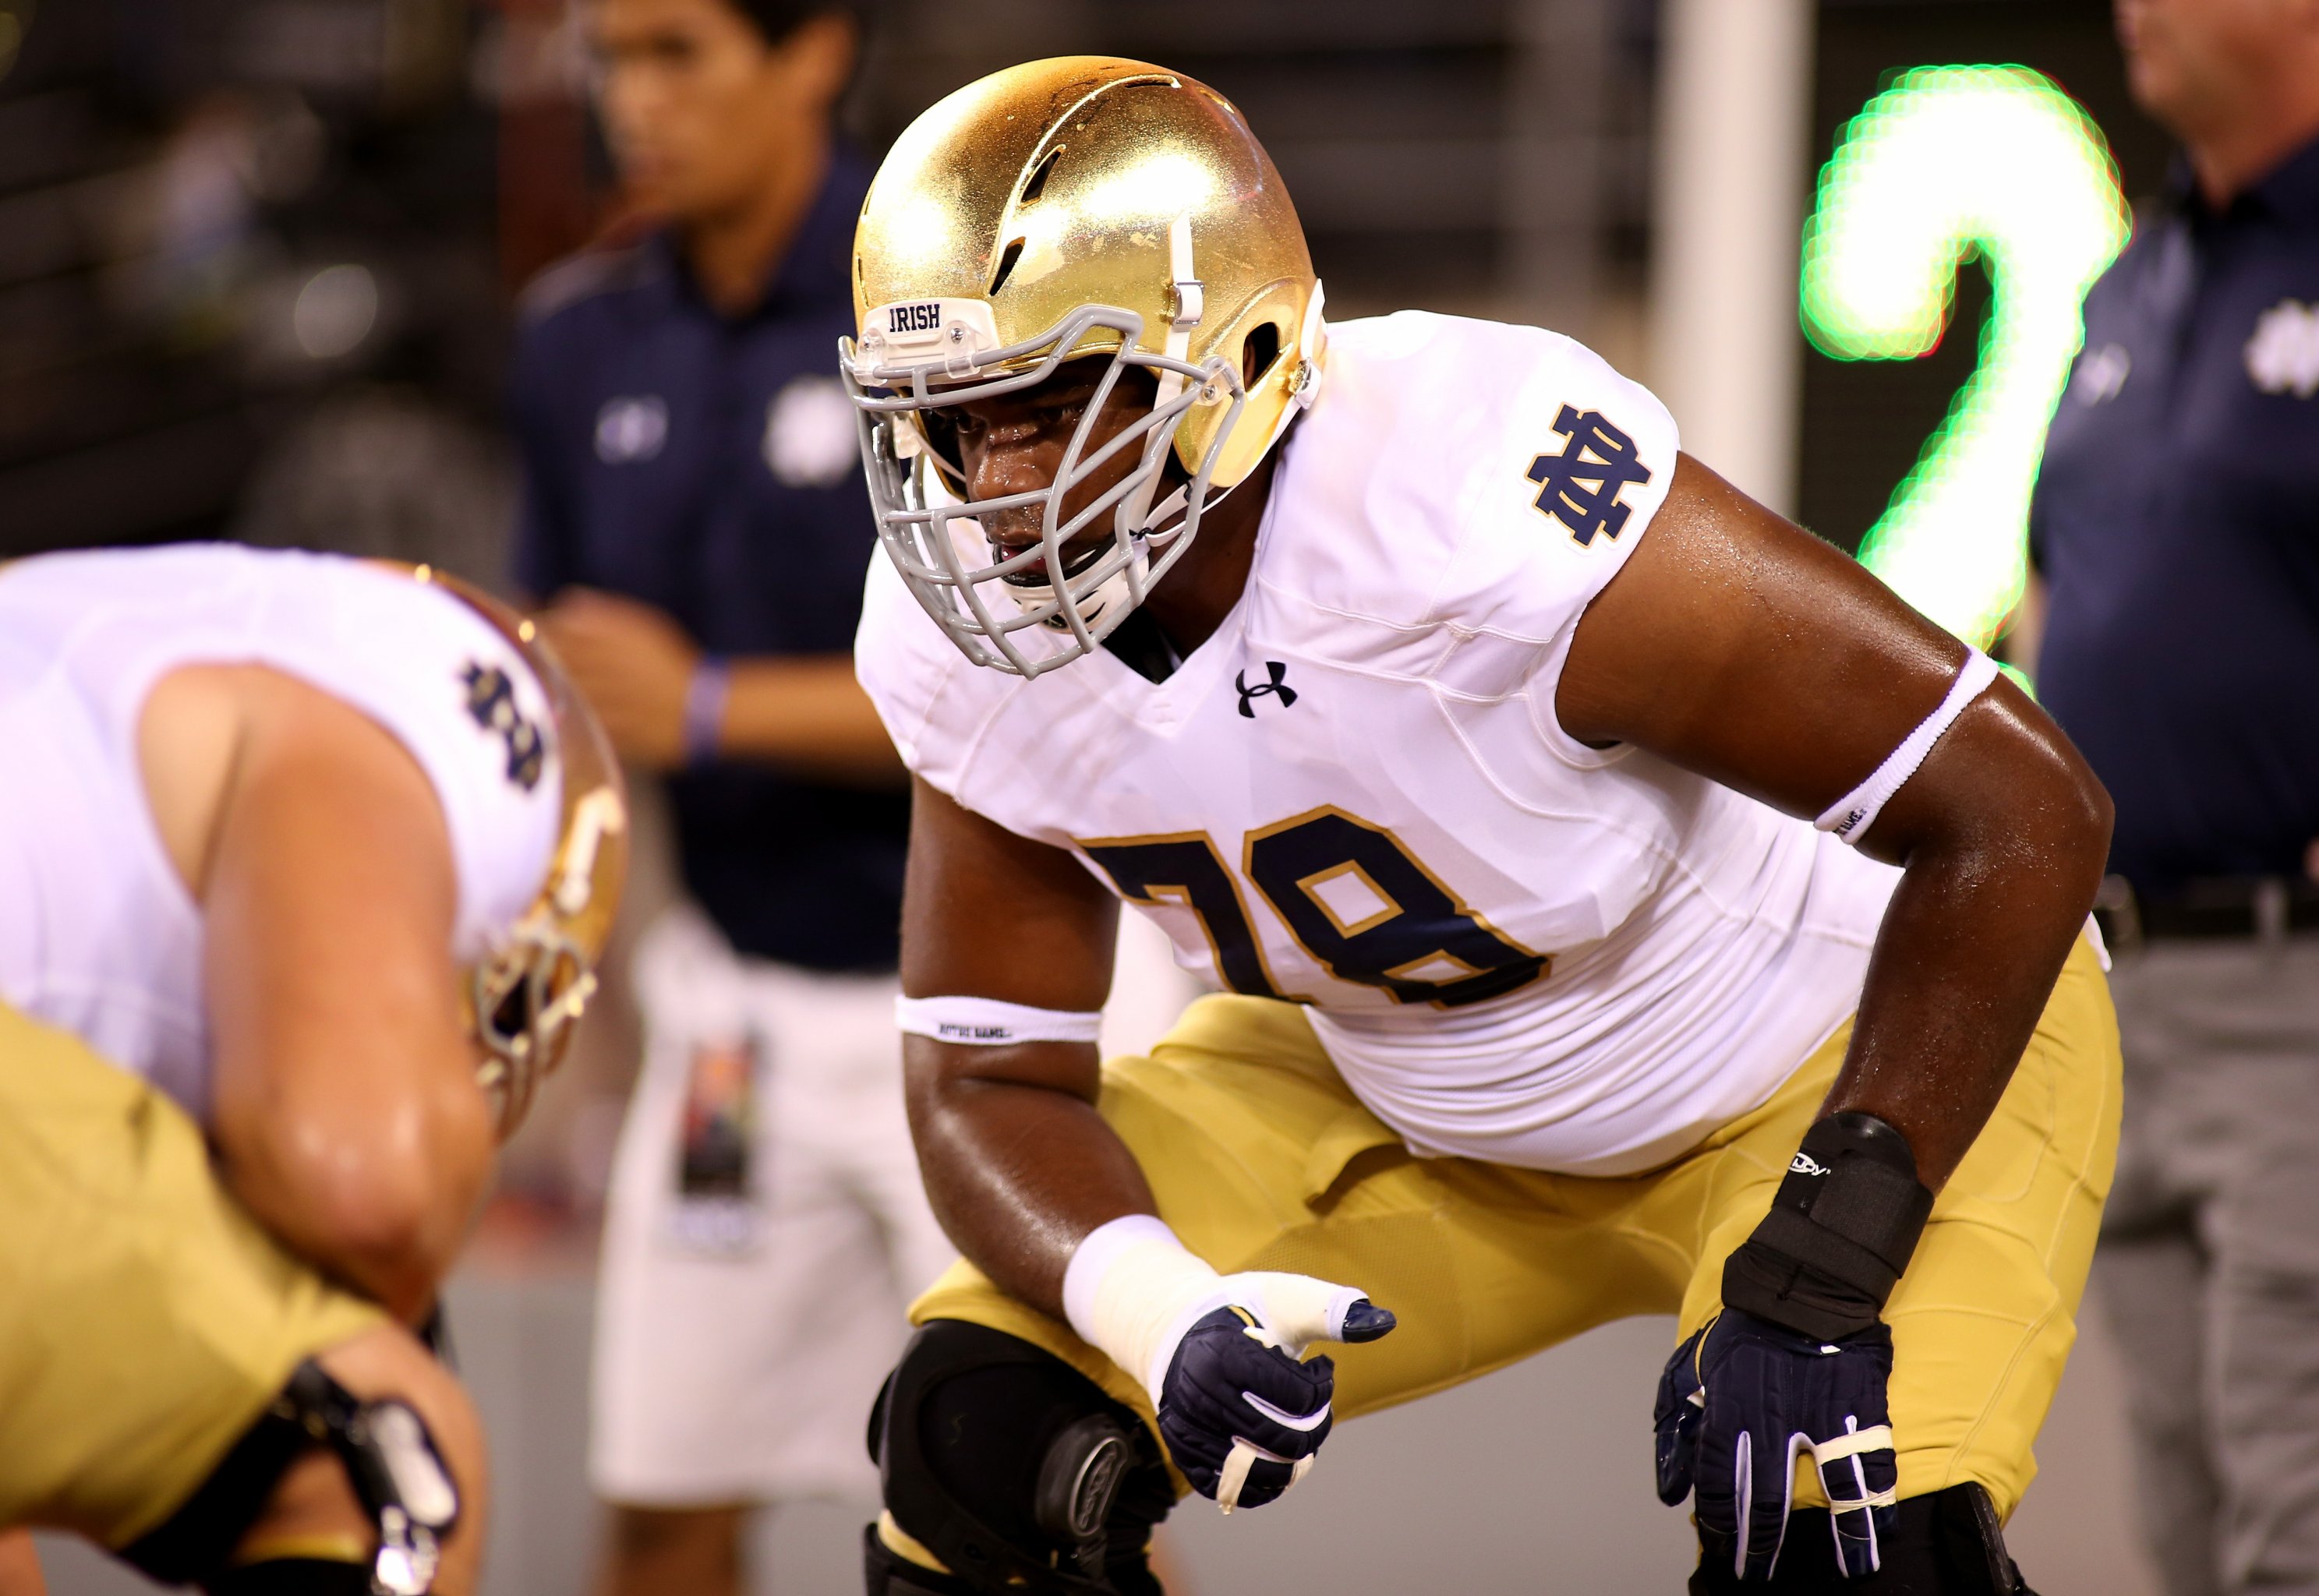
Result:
1356,793
98,936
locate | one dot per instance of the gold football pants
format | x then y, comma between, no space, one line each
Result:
146,1320
1261,1158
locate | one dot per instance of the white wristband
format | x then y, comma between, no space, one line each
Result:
1851,814
1128,1285
986,1023
1132,1289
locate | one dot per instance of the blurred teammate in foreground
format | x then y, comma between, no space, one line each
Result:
310,860
1469,737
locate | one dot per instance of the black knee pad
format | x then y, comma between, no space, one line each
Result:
1946,1544
1010,1466
293,1577
887,1572
390,1459
193,1543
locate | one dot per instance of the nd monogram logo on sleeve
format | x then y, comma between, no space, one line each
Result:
491,700
1597,453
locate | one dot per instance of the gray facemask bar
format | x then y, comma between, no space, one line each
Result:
532,961
915,533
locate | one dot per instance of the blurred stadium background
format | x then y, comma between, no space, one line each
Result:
257,261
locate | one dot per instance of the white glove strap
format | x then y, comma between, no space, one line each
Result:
1856,811
1243,1457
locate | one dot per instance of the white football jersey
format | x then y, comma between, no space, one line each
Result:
1356,794
98,935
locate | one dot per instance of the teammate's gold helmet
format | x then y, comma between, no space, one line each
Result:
1080,206
524,995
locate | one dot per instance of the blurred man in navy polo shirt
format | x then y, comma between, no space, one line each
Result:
2176,528
696,515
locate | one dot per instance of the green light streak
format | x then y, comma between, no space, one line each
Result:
1949,164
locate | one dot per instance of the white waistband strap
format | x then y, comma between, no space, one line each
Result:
986,1023
1856,811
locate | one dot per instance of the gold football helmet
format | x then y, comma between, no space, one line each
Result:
1061,208
524,995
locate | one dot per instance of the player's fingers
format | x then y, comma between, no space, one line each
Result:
1299,1309
1767,1482
1675,1420
1198,1449
1252,1477
1715,1489
1281,1405
1859,1474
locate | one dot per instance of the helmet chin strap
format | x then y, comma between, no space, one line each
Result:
1135,511
1306,387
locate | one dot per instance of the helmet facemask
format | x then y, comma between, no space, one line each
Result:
1065,583
1082,208
526,996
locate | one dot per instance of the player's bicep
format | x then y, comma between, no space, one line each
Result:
991,914
328,928
1738,646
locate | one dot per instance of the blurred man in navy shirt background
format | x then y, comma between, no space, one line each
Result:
2176,531
694,514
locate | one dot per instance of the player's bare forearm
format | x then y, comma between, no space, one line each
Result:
345,1113
1739,646
2002,832
809,714
20,1565
1019,1164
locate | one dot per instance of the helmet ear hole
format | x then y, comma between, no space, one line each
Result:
1259,352
1014,253
513,1016
1036,183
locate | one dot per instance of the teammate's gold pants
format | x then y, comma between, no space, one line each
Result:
146,1320
1261,1158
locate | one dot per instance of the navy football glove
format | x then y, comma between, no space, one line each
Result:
1741,1401
1800,1359
1241,1418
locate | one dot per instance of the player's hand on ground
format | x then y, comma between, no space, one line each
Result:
1741,1400
1243,1417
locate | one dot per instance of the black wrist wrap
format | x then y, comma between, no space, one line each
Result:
1841,1229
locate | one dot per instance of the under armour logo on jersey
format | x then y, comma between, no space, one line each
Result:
1597,453
1278,687
491,700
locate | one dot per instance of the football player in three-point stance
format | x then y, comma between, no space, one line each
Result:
305,866
1470,739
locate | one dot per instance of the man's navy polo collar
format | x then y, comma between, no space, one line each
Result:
2289,192
813,271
